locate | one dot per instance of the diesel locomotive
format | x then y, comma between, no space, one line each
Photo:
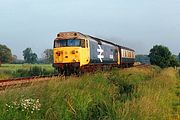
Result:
75,52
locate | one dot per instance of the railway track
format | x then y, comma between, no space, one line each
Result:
24,80
27,80
142,65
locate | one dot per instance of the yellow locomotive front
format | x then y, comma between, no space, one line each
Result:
71,52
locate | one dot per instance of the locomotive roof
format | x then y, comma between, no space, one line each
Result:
80,35
67,35
110,43
126,48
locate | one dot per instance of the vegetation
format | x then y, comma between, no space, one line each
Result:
25,70
135,93
173,61
161,56
5,54
48,56
29,56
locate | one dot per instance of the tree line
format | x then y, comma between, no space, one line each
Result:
159,55
29,56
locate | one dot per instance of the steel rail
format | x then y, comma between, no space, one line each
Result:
24,80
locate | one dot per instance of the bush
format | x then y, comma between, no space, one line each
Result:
124,87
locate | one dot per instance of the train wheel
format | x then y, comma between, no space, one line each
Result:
67,72
60,71
79,72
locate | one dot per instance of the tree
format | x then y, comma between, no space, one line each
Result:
179,57
173,61
34,58
5,54
48,55
14,58
29,56
161,56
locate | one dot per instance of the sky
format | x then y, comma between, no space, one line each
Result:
137,24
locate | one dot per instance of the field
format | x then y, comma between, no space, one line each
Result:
24,70
141,93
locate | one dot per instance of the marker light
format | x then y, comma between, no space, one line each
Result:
58,53
73,52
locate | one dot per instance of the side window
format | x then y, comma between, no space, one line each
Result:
122,54
83,43
131,54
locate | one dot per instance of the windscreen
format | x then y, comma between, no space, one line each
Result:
69,43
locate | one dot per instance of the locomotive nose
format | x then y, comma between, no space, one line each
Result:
67,55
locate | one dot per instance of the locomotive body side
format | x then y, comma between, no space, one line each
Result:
102,52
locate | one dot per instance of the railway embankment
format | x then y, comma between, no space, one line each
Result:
135,93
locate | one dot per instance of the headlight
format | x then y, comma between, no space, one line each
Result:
74,60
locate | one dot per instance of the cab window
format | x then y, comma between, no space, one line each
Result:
69,43
73,42
83,43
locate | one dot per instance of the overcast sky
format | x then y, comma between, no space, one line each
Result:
138,24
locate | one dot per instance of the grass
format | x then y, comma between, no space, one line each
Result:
24,70
135,93
14,67
176,102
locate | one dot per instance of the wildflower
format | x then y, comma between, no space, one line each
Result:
25,105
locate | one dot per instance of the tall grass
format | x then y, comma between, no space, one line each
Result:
135,93
156,97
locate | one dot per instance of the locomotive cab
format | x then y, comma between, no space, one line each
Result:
71,51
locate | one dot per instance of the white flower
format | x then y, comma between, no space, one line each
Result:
26,105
